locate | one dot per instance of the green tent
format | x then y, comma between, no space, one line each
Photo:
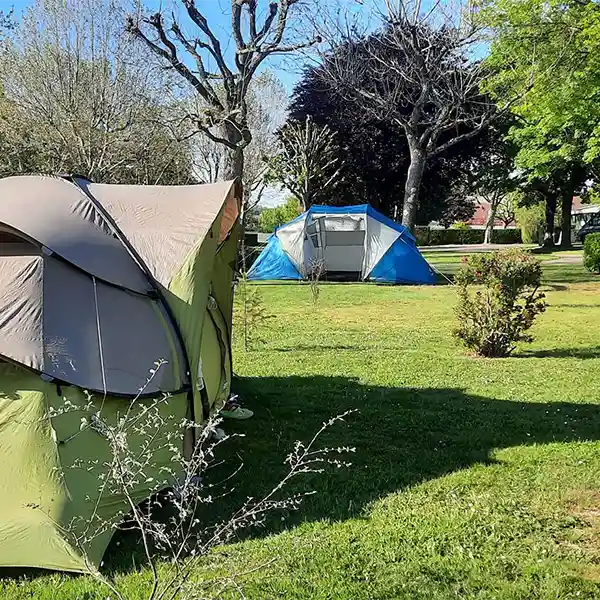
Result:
98,283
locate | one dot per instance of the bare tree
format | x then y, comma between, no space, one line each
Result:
222,85
417,73
308,162
507,210
77,97
266,112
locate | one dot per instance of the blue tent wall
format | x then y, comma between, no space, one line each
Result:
403,263
273,263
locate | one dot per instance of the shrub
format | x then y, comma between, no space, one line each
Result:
439,237
531,220
498,300
507,236
460,225
591,252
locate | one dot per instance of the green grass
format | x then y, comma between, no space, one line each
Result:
472,478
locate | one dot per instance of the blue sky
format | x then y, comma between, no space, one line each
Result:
218,14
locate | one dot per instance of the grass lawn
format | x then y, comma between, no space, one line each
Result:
472,478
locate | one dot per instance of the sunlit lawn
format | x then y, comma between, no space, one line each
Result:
472,479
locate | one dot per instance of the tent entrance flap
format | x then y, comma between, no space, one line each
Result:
338,243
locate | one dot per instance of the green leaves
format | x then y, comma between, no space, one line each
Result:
499,311
543,61
271,218
591,252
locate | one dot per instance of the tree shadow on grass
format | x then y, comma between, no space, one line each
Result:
580,353
402,436
552,274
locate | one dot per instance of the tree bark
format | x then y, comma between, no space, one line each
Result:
550,215
233,167
414,176
567,205
491,220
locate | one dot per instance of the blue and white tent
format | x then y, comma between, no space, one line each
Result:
345,243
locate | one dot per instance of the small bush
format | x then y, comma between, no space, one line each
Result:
498,301
591,252
460,225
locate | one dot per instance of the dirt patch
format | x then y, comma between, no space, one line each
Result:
591,573
584,506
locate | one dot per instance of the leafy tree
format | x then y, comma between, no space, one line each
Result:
531,220
307,164
507,209
271,218
374,156
76,100
545,55
491,174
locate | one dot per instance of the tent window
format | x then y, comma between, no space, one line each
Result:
313,233
13,245
345,238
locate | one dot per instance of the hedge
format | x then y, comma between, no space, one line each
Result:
591,252
441,237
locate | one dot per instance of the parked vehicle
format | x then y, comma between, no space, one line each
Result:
592,226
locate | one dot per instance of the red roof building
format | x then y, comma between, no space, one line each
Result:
480,216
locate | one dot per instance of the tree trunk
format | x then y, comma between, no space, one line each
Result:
489,225
233,167
567,205
412,187
243,216
550,214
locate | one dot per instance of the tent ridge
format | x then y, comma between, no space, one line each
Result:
44,249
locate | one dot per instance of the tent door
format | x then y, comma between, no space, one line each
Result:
339,245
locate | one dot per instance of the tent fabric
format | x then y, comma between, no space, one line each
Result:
403,263
47,498
56,214
102,329
274,263
164,223
84,318
347,242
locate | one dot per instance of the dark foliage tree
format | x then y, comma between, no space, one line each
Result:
416,74
375,157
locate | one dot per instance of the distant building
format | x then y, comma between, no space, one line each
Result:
480,217
581,213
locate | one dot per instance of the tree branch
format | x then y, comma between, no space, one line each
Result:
215,46
170,56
